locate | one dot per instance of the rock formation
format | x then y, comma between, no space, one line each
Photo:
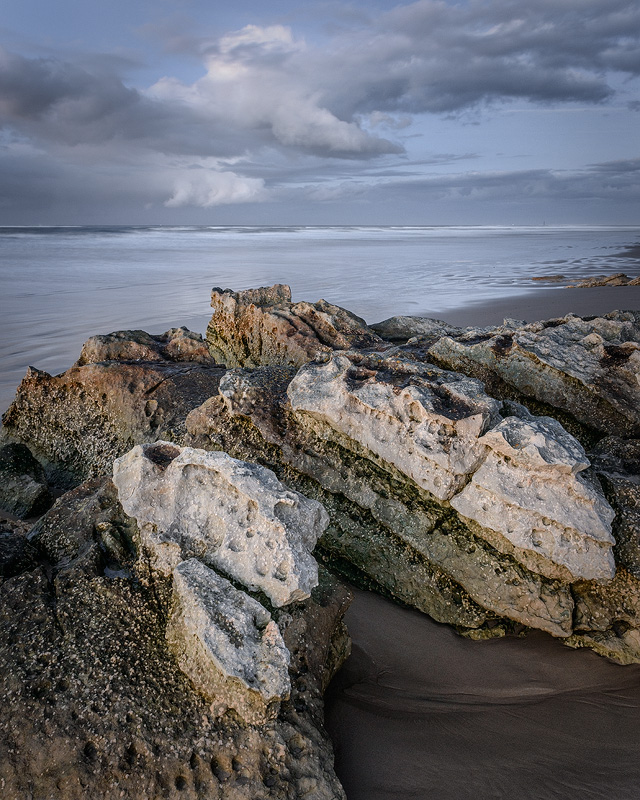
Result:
95,699
586,367
177,344
444,493
263,326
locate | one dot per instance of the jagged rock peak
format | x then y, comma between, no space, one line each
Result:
262,326
233,515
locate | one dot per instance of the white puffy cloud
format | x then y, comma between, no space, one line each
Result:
207,188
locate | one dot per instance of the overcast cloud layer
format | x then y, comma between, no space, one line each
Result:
281,126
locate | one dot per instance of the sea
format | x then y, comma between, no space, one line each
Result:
61,285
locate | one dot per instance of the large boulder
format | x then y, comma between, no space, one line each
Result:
262,326
233,515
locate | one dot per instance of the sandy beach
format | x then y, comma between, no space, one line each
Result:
419,712
545,304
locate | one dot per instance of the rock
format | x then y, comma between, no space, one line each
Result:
399,329
586,367
607,618
529,490
235,516
387,532
76,423
424,421
93,702
617,463
177,344
619,279
23,486
227,644
262,326
549,278
16,554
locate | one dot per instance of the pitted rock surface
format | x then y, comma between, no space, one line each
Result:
233,515
585,366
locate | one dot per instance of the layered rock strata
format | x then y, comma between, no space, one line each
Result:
587,367
263,326
234,516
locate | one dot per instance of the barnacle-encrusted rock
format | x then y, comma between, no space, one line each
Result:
263,326
76,423
233,515
588,367
227,644
23,486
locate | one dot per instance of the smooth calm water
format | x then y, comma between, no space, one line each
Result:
61,285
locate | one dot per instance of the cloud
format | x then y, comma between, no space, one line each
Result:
266,93
207,188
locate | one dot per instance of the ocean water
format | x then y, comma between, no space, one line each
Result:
62,285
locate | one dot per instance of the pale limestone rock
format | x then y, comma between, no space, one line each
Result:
262,326
530,491
227,644
233,515
588,367
424,421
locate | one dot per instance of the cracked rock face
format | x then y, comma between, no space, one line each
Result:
235,516
262,326
529,490
588,367
227,644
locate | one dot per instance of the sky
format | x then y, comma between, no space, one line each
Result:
436,112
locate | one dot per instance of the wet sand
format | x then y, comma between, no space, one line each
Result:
420,713
544,304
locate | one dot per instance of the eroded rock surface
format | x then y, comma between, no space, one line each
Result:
177,344
227,643
76,423
587,367
94,703
262,326
543,541
233,515
23,486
